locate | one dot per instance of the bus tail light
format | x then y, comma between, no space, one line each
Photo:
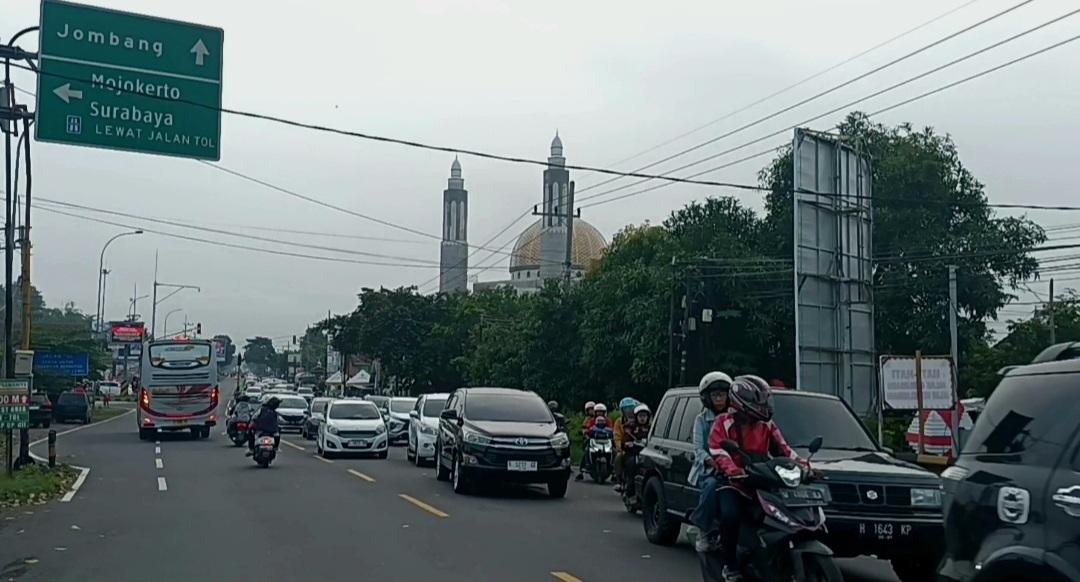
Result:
144,399
215,395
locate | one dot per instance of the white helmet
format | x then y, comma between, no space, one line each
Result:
590,404
642,408
713,381
600,408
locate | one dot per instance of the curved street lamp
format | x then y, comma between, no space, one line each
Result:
101,271
165,327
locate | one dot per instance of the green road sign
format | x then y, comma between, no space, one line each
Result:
129,82
14,404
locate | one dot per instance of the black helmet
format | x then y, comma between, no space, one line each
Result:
711,382
272,402
553,406
751,396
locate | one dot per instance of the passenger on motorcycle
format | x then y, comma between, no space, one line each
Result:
593,411
626,420
266,423
749,424
600,429
713,391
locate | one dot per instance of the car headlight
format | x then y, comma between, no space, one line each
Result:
790,476
475,438
925,497
560,441
331,429
425,429
380,429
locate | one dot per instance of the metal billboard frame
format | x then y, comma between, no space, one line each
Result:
833,269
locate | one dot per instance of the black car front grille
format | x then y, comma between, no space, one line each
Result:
498,456
356,434
292,419
868,496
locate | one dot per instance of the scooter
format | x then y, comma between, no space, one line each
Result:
631,499
600,458
781,538
265,450
237,431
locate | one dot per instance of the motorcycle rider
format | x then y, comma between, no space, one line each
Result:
266,423
626,420
560,420
593,412
713,391
748,422
635,435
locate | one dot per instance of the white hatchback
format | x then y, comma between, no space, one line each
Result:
352,426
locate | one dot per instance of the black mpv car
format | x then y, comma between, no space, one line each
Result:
879,505
1012,500
500,435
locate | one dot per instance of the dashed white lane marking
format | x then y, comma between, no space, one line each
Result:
161,485
157,450
158,464
323,459
297,447
362,476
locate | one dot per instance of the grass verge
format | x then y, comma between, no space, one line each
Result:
101,413
35,484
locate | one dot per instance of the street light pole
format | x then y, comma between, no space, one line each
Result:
165,326
101,277
176,289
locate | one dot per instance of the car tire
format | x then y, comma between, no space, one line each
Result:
910,569
409,454
824,569
441,473
458,479
144,434
418,459
660,527
383,455
557,488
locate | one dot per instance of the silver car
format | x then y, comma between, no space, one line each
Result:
398,422
316,414
291,412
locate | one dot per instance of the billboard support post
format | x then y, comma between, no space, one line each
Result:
919,396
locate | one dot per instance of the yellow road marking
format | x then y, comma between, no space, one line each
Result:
424,506
362,476
566,577
323,459
297,447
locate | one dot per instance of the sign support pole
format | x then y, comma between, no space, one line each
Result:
919,396
955,353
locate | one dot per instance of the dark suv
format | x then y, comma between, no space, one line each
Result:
73,406
500,434
1012,500
879,505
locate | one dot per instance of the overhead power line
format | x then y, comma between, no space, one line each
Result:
790,87
230,233
819,95
236,246
830,112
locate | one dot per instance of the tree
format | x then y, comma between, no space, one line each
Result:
259,353
313,350
929,212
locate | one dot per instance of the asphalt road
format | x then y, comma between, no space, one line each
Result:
199,510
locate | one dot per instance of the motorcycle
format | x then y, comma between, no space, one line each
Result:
630,497
781,537
237,431
265,450
600,454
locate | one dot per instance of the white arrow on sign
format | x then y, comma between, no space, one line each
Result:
66,93
200,52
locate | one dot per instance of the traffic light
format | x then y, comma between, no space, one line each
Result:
198,329
294,340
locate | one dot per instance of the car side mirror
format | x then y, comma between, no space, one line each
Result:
449,414
815,445
414,415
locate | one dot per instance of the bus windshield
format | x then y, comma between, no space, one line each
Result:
179,355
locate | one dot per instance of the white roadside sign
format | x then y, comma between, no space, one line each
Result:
898,383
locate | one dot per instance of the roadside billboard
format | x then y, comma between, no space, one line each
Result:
127,332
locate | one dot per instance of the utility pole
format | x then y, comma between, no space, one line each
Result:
954,351
1053,327
671,329
568,264
24,433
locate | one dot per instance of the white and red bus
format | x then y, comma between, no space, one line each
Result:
179,387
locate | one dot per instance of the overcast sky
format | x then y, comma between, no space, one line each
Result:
614,78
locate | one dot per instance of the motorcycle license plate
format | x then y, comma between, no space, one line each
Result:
521,465
357,443
804,497
884,530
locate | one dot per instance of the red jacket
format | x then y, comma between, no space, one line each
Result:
756,438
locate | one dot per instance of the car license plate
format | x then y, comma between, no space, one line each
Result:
804,496
357,443
521,465
883,530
